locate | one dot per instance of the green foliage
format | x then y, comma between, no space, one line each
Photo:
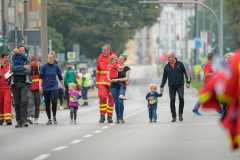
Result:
90,23
57,39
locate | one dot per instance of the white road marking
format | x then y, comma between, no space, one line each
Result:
60,148
112,124
106,127
96,101
75,141
98,131
42,156
134,113
129,115
88,135
125,117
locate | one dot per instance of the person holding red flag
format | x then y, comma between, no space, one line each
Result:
5,93
103,84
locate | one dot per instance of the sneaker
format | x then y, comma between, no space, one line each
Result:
9,122
122,97
121,119
28,81
71,122
155,120
49,122
1,122
24,124
61,107
102,119
150,120
75,122
117,121
196,112
29,120
109,119
180,117
36,121
174,119
11,84
18,125
222,112
55,121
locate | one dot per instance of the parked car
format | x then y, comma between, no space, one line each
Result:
91,81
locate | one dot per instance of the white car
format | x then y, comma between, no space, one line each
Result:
91,83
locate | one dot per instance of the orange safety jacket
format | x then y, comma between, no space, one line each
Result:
35,72
102,70
4,69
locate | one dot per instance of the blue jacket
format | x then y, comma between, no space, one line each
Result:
153,103
21,71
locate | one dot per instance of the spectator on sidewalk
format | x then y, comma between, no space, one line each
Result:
5,93
34,96
69,77
173,71
48,85
20,89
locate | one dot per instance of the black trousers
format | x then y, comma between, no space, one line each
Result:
20,91
172,93
60,96
66,87
73,112
51,95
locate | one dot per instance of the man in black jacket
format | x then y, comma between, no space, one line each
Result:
173,71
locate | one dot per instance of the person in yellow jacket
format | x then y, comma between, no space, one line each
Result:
84,87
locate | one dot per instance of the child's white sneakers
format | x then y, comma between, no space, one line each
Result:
122,97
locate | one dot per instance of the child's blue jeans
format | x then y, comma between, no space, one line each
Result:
152,112
120,84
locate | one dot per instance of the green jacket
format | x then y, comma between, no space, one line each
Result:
69,76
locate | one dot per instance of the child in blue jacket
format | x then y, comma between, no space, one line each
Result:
152,98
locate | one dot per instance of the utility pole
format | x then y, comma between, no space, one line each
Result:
25,16
3,22
195,32
211,24
44,35
221,31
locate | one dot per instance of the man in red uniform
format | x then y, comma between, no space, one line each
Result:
103,84
5,93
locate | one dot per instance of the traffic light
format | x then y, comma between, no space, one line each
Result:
178,36
145,5
213,37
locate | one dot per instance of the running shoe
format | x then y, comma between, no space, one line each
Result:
150,120
75,122
122,97
71,122
49,122
174,119
117,121
155,120
196,113
121,119
55,121
180,117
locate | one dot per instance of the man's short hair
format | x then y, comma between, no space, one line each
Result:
107,46
210,56
68,63
172,53
20,46
4,54
32,58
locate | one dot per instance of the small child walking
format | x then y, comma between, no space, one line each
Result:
18,60
152,98
73,101
113,74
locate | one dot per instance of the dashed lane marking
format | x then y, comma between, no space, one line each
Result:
129,115
134,113
98,131
96,101
88,135
60,148
106,127
112,124
42,156
75,141
125,117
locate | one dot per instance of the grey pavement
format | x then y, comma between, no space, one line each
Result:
196,137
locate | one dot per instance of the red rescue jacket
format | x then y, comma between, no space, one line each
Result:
35,72
102,70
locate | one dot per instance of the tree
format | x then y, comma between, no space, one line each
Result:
57,39
90,23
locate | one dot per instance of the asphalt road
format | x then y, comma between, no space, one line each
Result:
196,137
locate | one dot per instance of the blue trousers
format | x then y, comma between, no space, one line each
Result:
84,94
119,106
152,112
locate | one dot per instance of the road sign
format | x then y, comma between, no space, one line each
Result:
2,40
204,36
71,56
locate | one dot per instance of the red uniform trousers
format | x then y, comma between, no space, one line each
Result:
5,104
104,94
